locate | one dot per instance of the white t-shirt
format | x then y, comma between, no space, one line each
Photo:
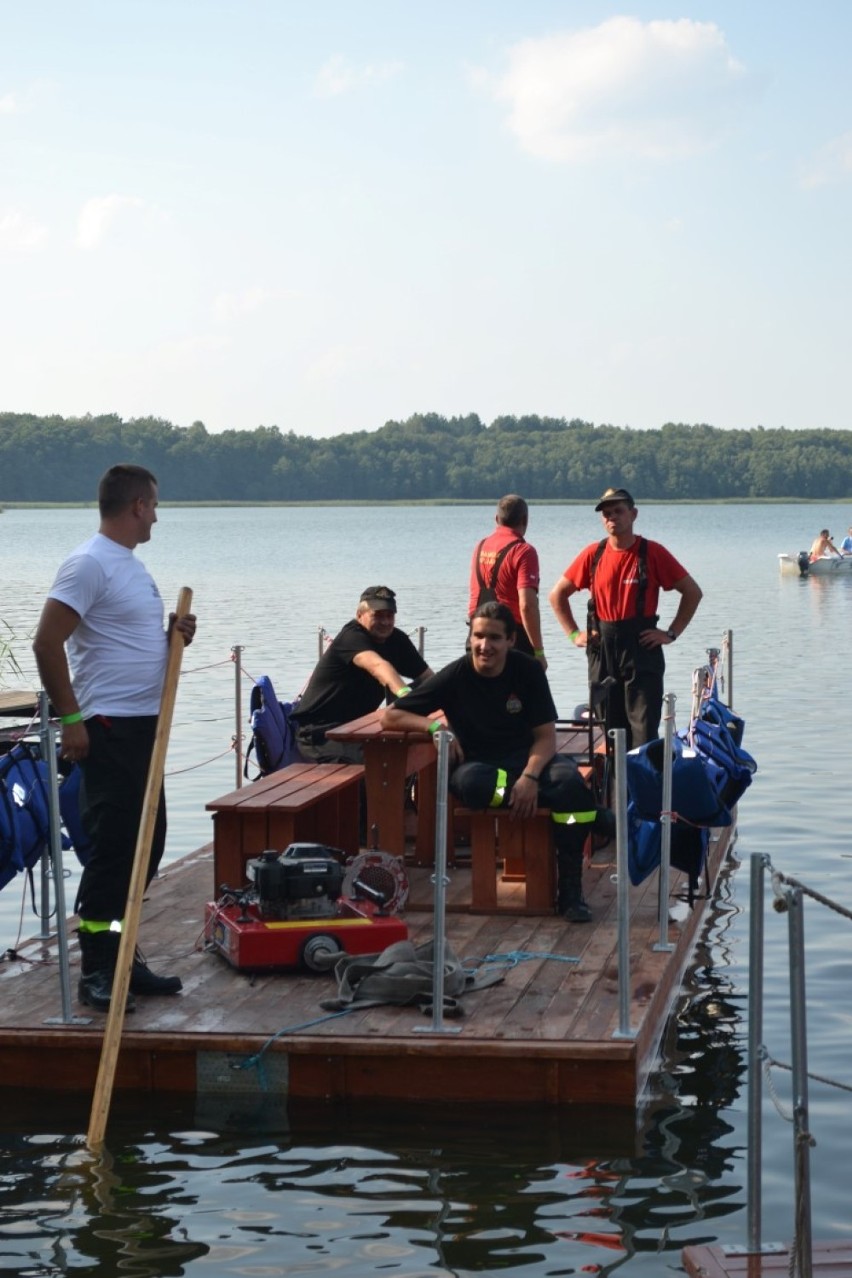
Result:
118,652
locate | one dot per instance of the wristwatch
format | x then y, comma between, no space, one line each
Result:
672,636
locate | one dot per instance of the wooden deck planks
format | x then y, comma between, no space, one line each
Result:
543,1035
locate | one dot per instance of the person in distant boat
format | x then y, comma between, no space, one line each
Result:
624,574
369,659
505,567
846,544
102,651
498,705
823,546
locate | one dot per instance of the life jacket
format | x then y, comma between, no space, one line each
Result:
488,589
716,735
273,739
25,810
710,773
687,849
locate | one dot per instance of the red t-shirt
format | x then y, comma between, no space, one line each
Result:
617,578
518,571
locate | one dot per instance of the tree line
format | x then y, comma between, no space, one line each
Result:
427,456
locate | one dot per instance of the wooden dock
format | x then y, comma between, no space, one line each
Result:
546,1035
828,1260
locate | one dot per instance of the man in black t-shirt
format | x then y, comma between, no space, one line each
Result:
498,705
368,658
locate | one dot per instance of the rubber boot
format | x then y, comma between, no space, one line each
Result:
144,981
569,885
98,954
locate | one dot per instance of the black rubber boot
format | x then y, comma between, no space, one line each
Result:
144,981
569,886
98,953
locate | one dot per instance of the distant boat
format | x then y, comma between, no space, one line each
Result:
801,566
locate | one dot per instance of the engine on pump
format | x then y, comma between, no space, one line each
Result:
303,882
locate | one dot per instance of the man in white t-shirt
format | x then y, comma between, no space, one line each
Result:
101,649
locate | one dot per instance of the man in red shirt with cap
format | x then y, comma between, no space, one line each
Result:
624,574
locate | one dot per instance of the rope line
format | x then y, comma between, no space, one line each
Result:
769,1061
513,957
778,878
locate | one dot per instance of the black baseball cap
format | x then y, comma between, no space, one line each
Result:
379,598
615,494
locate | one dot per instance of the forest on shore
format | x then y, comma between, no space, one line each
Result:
425,457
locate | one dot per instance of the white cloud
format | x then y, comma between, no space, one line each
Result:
8,104
650,89
97,215
339,76
230,306
832,163
18,233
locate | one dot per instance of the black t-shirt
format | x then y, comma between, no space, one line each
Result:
338,690
493,718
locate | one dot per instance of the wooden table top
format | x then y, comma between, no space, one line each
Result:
571,737
369,728
15,701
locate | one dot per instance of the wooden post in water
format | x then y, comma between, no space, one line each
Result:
141,858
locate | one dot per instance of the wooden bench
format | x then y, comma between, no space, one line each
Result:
303,803
526,850
525,847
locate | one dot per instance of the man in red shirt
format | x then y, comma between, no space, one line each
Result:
624,574
505,567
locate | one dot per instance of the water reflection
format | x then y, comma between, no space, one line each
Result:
358,1190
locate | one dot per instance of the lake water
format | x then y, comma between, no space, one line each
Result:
362,1192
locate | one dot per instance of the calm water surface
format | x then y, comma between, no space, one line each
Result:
363,1192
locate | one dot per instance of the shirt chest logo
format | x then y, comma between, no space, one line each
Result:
514,705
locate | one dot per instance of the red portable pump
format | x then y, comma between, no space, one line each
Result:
304,907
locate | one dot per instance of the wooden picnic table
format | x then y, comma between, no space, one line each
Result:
391,757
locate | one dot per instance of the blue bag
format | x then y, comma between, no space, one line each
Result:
273,739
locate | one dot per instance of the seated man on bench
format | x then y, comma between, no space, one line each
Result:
499,708
367,659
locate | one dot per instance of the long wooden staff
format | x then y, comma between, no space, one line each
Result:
141,859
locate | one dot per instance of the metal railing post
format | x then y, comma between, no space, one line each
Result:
619,738
439,879
664,944
799,1054
728,645
754,1177
48,748
236,656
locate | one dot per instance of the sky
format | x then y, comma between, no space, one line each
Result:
322,215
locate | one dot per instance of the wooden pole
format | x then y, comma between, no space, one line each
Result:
141,859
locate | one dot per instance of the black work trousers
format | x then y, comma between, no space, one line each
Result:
560,788
635,700
112,794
